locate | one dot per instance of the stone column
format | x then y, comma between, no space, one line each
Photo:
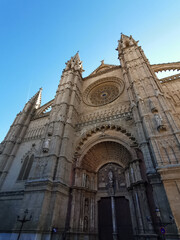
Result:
114,218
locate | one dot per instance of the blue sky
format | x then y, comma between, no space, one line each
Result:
37,37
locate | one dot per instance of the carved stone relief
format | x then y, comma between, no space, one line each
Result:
111,177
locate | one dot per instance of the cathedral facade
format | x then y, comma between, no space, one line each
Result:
101,160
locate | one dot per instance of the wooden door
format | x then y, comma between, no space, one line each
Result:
123,219
105,219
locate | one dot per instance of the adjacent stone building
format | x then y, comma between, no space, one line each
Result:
99,161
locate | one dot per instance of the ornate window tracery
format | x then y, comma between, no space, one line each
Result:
103,91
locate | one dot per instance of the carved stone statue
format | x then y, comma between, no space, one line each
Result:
111,183
110,176
159,122
46,145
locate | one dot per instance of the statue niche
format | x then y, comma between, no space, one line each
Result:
111,178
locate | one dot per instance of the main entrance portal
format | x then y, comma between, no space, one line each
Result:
122,219
109,196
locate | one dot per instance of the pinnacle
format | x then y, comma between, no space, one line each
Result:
74,63
36,99
77,56
126,41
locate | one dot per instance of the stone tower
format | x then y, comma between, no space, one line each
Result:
100,160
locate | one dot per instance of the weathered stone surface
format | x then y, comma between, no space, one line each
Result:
113,135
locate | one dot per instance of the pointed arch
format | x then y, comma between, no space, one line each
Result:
27,161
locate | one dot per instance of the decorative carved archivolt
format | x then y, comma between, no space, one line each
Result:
103,91
103,128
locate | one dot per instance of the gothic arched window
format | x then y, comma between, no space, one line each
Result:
26,167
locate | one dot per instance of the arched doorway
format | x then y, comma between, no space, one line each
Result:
109,199
114,218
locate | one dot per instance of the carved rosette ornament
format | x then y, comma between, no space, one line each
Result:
103,91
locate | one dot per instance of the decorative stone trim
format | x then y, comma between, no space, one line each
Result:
170,78
94,118
166,66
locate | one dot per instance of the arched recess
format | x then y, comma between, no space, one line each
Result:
101,152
